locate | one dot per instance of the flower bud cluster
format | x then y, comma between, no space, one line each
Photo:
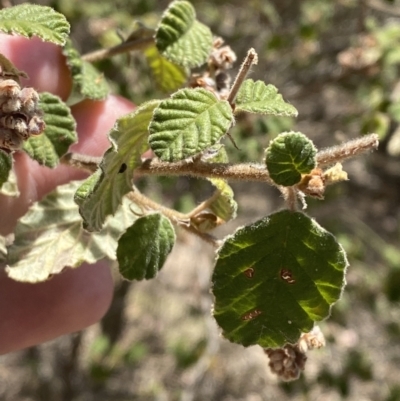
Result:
288,362
20,115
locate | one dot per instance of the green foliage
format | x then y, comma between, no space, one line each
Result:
181,38
191,121
167,75
5,167
275,277
34,20
58,136
101,194
257,97
144,247
288,156
87,81
50,237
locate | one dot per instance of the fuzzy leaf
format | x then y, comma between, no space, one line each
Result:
101,194
288,156
6,162
58,136
87,80
50,237
275,277
168,76
224,206
144,247
181,38
257,97
33,20
191,121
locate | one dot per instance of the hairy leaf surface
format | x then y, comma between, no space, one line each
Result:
87,80
50,237
33,20
168,76
58,136
257,97
101,194
144,247
288,156
181,38
189,122
275,277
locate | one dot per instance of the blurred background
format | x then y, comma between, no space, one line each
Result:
338,63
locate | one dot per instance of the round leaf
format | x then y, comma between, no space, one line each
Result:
191,121
144,247
288,156
275,277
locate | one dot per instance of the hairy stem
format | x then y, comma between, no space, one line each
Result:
128,46
180,219
346,150
250,59
290,194
227,171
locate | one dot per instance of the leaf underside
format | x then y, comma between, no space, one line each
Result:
288,156
144,247
58,136
275,277
33,20
50,237
189,122
101,194
181,38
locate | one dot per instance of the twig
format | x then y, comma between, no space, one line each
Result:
137,44
250,59
346,150
290,194
227,171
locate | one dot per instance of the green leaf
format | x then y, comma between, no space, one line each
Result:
191,121
58,136
224,206
168,76
181,38
88,82
3,249
257,97
101,194
144,247
6,162
288,156
50,237
10,187
33,20
275,277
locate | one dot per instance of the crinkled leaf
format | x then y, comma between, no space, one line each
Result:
33,20
50,237
58,136
5,166
87,80
144,247
275,277
181,38
168,76
257,97
101,194
191,121
288,156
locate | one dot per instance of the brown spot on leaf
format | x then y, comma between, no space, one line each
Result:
249,273
251,315
287,276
